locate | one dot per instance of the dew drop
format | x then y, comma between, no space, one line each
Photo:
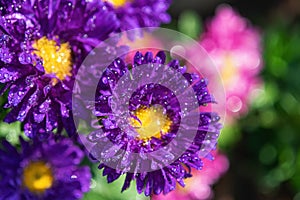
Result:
74,177
21,115
104,80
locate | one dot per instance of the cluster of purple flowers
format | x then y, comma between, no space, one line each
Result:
42,45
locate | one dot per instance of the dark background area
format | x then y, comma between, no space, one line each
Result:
258,11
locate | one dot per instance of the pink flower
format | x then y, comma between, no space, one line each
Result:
198,187
234,47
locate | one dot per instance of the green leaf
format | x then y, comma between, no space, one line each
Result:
100,189
190,24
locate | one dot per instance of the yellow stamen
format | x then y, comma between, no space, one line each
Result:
117,3
228,70
152,122
56,59
37,177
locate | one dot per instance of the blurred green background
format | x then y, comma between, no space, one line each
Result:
263,146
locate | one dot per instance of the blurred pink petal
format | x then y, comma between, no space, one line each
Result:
198,187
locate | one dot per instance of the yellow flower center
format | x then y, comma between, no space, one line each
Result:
117,3
229,70
37,177
151,122
56,59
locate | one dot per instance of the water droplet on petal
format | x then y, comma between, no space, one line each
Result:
74,177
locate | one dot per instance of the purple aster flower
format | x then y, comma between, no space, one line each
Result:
153,131
46,170
141,13
42,45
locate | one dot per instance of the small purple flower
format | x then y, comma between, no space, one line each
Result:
42,45
157,122
141,13
46,170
